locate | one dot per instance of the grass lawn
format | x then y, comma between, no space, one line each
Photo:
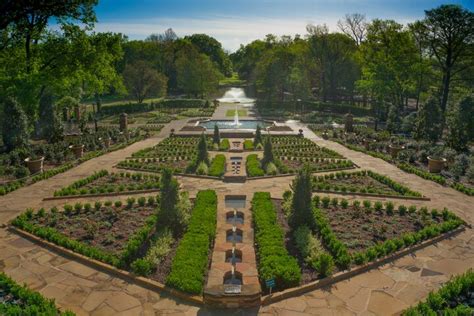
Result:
231,113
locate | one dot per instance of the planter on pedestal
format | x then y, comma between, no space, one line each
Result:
35,165
436,165
394,150
107,142
325,135
78,150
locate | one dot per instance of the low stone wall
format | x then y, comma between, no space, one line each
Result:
250,296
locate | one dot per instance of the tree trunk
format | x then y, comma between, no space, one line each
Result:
446,83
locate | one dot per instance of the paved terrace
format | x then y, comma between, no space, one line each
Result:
383,291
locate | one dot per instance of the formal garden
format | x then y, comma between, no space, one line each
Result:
330,172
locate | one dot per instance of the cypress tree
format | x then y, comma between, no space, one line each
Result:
169,196
301,206
216,139
202,155
461,125
49,124
429,121
267,152
258,136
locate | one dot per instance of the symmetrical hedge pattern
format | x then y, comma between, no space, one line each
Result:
273,258
188,269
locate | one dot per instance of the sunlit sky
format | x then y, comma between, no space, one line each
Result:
235,22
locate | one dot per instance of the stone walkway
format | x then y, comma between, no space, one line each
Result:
384,291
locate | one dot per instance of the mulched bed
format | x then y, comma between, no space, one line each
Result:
112,226
113,179
363,181
359,230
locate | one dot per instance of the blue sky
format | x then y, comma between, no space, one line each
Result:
233,22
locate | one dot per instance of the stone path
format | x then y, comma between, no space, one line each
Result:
384,291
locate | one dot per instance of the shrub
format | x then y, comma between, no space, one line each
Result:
378,206
130,202
253,166
141,267
271,169
118,204
97,205
225,145
344,203
301,204
202,169
248,144
141,201
402,209
324,264
274,260
367,204
151,200
135,242
389,207
217,167
190,262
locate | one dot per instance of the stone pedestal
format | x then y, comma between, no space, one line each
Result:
123,122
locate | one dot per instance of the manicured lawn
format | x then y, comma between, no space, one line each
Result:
231,113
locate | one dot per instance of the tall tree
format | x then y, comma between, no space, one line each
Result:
461,124
355,26
449,30
428,124
14,125
301,204
213,49
143,81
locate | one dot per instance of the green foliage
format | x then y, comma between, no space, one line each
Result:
217,167
14,125
429,121
258,136
29,302
274,260
271,169
301,204
253,166
202,155
312,251
216,137
211,47
135,242
267,152
143,81
202,169
460,124
450,299
169,196
224,145
248,144
190,262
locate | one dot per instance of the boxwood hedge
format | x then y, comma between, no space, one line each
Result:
273,258
188,269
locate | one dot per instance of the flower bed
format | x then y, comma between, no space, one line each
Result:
102,182
272,256
453,298
364,181
292,146
188,269
359,234
20,300
111,232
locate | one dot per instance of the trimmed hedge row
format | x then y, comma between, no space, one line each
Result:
318,106
188,270
144,182
462,188
253,166
146,107
421,173
451,299
217,167
224,145
52,235
320,183
30,302
274,260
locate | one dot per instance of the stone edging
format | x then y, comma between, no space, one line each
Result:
340,276
294,174
99,194
103,267
423,198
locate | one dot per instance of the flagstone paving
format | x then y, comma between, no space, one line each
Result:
384,291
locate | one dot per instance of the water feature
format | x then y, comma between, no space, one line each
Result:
236,118
236,95
235,201
230,124
234,217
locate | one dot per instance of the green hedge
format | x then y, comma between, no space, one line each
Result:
421,173
318,106
248,144
31,303
274,260
217,167
253,166
188,269
136,241
146,107
451,299
225,145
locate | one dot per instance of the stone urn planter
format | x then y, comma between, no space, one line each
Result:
172,132
35,165
436,165
300,132
325,135
394,150
368,142
78,150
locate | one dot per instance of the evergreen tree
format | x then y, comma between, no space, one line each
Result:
169,197
258,136
202,155
267,152
301,205
460,125
49,124
393,119
14,125
216,139
429,121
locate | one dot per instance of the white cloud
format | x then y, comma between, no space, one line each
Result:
231,32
